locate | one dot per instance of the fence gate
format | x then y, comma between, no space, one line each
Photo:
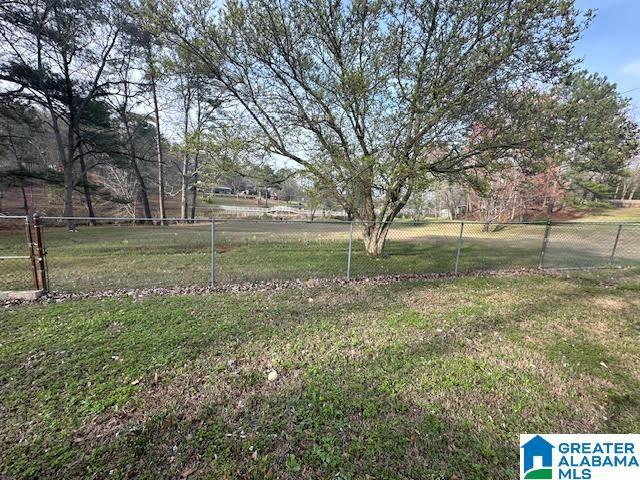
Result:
22,235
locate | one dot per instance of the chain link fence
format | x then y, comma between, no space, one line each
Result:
16,271
577,245
251,251
109,253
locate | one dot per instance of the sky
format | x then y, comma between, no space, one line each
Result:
611,45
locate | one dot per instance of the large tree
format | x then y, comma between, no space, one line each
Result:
377,98
594,139
128,99
601,136
24,143
197,107
54,55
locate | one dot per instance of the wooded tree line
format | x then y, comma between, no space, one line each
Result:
85,84
373,101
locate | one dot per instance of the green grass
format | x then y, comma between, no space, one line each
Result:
614,215
129,256
410,380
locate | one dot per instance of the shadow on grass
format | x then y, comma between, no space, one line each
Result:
413,403
340,420
418,405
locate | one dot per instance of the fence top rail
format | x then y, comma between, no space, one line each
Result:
480,222
200,219
130,219
333,222
302,222
14,217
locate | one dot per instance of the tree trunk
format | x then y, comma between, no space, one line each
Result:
184,202
142,193
550,208
86,189
376,230
25,203
67,171
375,237
69,185
194,186
156,113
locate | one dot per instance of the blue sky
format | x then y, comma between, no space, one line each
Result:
611,45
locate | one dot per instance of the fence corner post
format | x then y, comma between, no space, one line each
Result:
31,251
545,241
458,247
41,252
213,253
615,244
350,250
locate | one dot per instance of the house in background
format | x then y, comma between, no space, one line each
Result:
222,190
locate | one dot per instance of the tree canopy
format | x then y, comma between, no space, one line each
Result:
377,98
369,101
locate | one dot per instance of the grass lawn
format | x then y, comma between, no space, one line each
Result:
130,256
614,215
415,380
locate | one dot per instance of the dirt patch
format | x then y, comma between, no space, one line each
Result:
614,304
224,248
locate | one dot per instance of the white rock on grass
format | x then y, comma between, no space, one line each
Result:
273,376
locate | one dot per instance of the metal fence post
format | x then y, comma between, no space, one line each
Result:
349,253
545,240
213,253
615,244
32,253
40,255
459,246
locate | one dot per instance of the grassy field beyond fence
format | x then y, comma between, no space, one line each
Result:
129,255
